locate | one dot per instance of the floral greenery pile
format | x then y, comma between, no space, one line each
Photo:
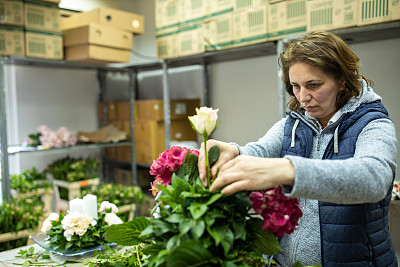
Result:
76,231
74,169
193,226
29,180
20,214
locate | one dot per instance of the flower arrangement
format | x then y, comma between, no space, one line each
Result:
82,226
51,139
197,227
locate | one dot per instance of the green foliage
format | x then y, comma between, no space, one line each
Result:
20,214
74,169
197,227
29,180
111,257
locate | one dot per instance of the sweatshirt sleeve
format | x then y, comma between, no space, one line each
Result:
268,146
366,177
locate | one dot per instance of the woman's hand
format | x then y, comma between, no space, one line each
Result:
227,152
253,173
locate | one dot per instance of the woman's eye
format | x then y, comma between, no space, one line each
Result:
296,86
314,85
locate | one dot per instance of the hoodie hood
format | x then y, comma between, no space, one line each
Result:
367,95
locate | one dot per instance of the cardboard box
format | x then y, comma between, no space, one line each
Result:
12,41
108,17
97,34
150,137
167,43
111,110
218,33
167,14
153,109
12,12
97,54
41,16
220,7
286,18
190,40
241,5
373,11
250,26
330,14
43,44
193,11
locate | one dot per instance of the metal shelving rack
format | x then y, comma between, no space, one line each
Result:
352,35
7,150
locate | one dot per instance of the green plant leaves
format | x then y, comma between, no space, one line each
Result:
127,234
189,253
197,210
213,154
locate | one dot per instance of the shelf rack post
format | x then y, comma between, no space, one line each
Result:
101,77
207,78
167,111
5,180
132,88
281,87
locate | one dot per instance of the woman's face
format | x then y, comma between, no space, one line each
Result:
315,90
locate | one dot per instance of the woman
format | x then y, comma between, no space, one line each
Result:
335,151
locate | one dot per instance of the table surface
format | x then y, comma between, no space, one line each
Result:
7,258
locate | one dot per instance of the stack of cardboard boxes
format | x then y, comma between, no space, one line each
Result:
101,35
149,130
193,27
30,28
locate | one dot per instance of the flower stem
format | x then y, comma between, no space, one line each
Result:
206,158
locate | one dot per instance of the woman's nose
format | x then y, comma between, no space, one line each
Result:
304,95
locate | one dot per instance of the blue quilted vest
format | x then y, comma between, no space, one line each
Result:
354,235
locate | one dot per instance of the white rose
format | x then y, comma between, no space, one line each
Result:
107,205
112,218
47,223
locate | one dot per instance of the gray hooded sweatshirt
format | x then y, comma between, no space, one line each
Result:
362,179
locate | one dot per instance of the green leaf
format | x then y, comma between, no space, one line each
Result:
127,234
213,154
198,229
197,210
265,242
214,198
174,218
227,240
185,226
239,230
172,242
189,253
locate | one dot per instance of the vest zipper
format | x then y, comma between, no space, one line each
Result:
319,142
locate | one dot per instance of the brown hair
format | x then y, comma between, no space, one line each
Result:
331,54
